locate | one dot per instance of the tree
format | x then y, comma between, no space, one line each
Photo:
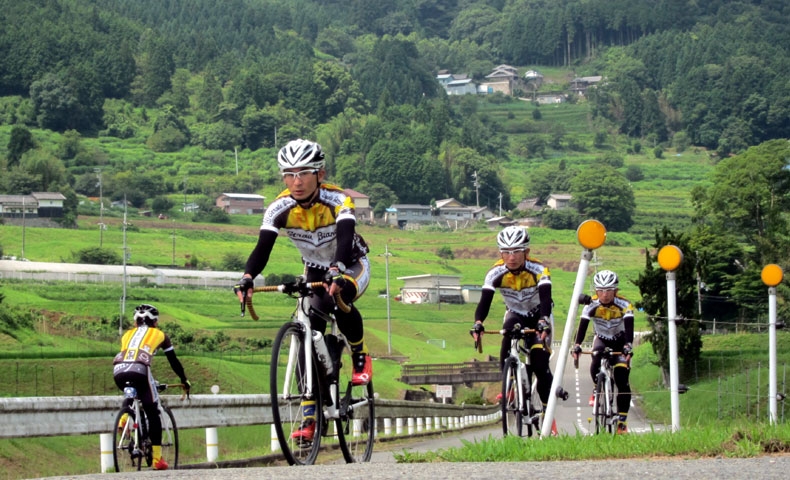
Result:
602,193
20,142
652,288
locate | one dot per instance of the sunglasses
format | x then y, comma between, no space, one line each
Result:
300,174
512,252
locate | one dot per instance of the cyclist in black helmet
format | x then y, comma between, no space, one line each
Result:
525,285
133,365
320,220
613,322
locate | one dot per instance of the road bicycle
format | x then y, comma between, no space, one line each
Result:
307,366
520,402
131,441
604,413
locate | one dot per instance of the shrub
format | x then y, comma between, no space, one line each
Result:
98,256
634,173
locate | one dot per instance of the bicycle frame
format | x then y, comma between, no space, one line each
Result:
302,317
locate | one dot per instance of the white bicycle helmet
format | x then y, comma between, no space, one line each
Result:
605,280
146,315
300,153
513,237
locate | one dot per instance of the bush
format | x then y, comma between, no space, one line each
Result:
445,252
99,256
658,152
634,173
169,139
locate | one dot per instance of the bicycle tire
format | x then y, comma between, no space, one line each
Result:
123,443
356,427
611,423
533,409
599,404
169,437
286,395
512,418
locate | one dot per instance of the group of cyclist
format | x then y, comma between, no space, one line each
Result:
320,220
525,285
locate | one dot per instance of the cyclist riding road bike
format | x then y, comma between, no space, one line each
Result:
613,321
319,219
525,285
132,365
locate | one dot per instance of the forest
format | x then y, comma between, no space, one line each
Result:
153,97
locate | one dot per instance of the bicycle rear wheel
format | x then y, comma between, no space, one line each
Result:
126,455
356,427
169,437
512,418
287,379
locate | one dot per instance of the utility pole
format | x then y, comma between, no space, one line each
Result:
174,244
101,208
500,204
125,254
477,188
387,256
185,194
236,154
23,227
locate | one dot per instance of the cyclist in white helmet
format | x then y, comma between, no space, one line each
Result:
613,322
133,365
319,218
525,285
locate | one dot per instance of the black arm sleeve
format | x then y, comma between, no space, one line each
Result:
628,322
583,323
544,292
345,241
260,254
175,364
486,297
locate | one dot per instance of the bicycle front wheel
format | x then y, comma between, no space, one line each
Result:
126,455
287,386
169,437
512,417
356,426
600,403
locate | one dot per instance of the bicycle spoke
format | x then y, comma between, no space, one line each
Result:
126,455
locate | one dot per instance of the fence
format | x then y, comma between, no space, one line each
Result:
50,416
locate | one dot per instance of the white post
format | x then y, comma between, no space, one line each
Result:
772,355
419,424
437,423
212,444
398,426
387,426
428,424
673,351
274,444
565,346
411,425
105,450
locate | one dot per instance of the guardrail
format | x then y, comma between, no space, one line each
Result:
52,416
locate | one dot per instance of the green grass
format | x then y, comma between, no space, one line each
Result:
725,440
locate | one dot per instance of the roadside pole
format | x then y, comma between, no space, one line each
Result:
772,276
669,257
591,235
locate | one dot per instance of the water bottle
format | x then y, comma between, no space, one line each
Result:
323,352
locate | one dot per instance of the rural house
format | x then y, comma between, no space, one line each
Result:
240,203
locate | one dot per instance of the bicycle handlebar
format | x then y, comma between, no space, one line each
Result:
479,337
606,353
161,387
297,288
